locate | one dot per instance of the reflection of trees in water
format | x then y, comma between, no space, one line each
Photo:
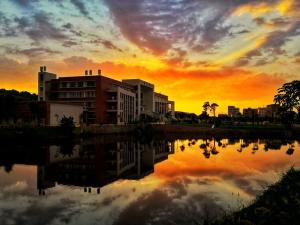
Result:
8,167
213,146
67,148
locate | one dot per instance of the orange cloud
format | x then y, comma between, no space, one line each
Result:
262,8
189,88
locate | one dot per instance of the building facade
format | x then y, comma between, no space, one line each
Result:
43,77
250,112
105,100
233,111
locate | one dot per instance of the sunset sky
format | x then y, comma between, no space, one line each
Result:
233,52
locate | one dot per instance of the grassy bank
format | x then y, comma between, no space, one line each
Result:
43,134
279,204
234,131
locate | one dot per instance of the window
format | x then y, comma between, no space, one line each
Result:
64,84
72,84
91,83
80,84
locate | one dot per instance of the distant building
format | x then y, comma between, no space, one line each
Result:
273,111
250,112
233,111
105,100
263,112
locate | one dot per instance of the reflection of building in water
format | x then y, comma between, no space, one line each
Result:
95,165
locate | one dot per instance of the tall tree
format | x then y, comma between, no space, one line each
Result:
288,98
213,108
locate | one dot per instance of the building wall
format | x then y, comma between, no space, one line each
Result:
126,106
43,77
80,90
233,111
250,113
144,96
58,111
161,104
95,93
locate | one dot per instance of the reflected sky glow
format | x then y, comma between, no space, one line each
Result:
183,188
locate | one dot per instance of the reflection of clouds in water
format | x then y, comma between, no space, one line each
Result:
184,189
162,207
34,211
17,187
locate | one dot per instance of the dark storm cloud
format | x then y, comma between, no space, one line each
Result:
158,207
107,44
39,27
32,52
70,27
80,6
6,29
69,43
159,26
246,186
37,213
24,3
273,46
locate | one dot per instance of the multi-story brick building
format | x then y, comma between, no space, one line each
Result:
105,100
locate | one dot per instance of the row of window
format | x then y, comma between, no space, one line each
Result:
77,94
77,84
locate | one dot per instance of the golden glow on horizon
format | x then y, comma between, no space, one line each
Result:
256,10
221,69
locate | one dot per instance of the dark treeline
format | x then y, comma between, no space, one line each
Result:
10,101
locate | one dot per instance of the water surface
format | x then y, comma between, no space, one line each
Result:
124,181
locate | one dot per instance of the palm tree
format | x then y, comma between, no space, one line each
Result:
206,106
213,108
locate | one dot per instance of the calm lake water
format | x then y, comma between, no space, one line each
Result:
124,181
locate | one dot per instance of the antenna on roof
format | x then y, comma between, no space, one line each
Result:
91,72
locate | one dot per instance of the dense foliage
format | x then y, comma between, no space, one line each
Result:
279,204
288,97
9,100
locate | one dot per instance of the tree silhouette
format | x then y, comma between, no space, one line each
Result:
211,107
288,98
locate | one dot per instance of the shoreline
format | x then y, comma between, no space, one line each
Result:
278,204
50,134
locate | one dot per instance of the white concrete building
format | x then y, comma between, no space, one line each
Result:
56,111
122,103
43,77
144,96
